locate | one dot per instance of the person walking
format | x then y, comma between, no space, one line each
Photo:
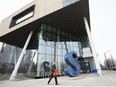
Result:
53,69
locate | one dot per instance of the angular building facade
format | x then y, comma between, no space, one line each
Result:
43,31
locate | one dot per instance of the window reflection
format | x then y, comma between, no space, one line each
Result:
48,50
42,42
51,42
42,49
38,62
40,70
68,2
29,62
73,1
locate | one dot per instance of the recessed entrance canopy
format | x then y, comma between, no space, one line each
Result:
69,19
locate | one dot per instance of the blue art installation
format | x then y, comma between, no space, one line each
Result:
73,69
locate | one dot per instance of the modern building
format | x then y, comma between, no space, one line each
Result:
43,31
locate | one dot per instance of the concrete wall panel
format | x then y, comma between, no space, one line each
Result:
42,8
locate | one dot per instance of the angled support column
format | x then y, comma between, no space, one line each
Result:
92,46
14,73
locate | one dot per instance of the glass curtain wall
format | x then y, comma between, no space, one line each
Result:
47,46
52,48
68,2
29,62
8,60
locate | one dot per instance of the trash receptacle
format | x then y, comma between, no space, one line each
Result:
94,70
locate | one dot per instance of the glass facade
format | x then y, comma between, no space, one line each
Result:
68,2
28,64
52,48
49,45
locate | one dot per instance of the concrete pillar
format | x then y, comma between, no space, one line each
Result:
14,73
97,64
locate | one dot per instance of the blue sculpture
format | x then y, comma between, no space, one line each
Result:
73,69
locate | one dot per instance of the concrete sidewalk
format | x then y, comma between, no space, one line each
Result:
108,79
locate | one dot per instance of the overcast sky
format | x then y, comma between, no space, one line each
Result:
103,25
102,16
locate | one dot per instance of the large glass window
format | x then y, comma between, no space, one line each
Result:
26,14
28,65
68,2
42,49
40,67
52,45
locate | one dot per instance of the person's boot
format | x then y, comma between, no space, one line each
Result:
57,84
